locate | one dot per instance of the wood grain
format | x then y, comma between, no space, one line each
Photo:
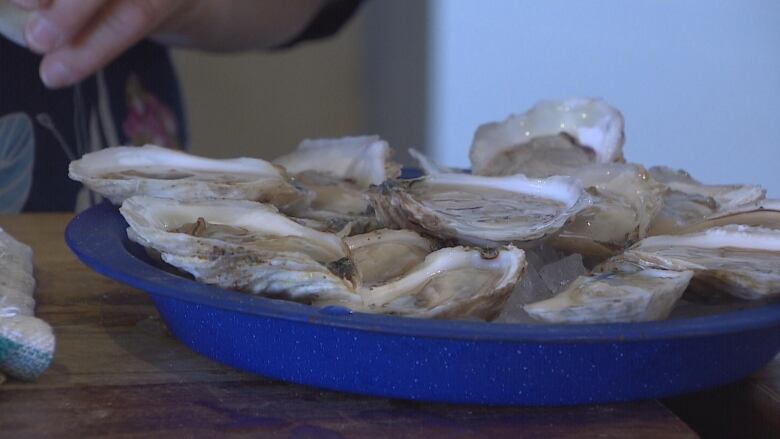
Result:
118,372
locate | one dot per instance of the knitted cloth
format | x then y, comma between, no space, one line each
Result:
26,342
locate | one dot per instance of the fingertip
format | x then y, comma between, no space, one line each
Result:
55,74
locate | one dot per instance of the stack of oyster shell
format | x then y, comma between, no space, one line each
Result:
333,224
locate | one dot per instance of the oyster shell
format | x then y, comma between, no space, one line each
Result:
209,227
766,213
625,200
452,282
337,204
337,172
385,254
689,202
285,275
479,210
742,261
625,296
549,139
363,160
121,172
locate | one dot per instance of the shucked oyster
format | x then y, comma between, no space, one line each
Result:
549,139
338,172
624,296
206,228
452,282
363,160
120,172
742,261
689,202
385,254
478,210
625,200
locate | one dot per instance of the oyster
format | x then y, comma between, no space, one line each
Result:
337,204
624,296
385,254
285,275
549,139
479,210
765,213
689,202
452,282
625,200
337,172
209,227
121,172
363,160
739,260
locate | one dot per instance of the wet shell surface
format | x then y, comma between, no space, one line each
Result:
121,172
479,210
549,139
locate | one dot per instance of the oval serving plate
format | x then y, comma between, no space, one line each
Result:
434,360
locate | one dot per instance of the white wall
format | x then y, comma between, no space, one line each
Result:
698,81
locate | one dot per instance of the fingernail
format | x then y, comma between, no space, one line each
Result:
41,35
55,75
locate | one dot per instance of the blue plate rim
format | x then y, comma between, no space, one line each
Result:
111,258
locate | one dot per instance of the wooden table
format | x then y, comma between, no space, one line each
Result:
118,372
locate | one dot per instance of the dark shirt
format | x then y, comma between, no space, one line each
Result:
133,101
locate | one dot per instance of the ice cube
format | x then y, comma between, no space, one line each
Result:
530,289
559,274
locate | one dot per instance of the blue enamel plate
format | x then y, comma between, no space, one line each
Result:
434,360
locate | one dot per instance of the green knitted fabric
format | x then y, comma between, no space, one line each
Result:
26,346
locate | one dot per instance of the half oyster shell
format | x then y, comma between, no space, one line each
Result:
479,210
689,202
385,254
549,139
625,201
208,228
337,172
625,296
363,160
452,282
121,172
742,261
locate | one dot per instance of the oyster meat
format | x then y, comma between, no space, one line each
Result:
625,200
452,282
739,260
121,172
479,210
689,202
338,172
385,254
549,139
625,296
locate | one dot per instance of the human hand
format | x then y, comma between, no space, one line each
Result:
78,37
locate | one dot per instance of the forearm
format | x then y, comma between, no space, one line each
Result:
222,25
